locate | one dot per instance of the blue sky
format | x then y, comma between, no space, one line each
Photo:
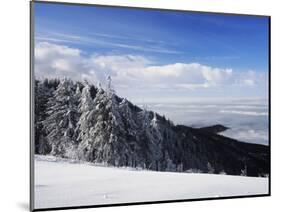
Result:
228,47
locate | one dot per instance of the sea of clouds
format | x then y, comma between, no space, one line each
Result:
247,119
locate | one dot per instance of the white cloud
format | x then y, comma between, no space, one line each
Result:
53,60
215,75
257,136
62,65
134,71
248,113
45,49
251,78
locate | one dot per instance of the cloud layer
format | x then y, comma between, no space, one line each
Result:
135,71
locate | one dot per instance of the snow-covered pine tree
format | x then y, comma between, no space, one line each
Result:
210,168
151,139
77,101
62,119
144,129
102,133
109,130
170,166
135,128
42,94
85,123
244,171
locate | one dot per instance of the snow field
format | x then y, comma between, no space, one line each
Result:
63,183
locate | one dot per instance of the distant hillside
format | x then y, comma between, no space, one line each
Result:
215,128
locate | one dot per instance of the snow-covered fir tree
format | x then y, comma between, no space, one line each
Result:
42,94
61,120
43,90
155,138
85,123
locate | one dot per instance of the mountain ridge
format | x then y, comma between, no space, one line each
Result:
80,120
217,128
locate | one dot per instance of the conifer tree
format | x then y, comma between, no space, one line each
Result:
61,121
85,123
42,94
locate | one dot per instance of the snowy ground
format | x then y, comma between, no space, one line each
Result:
61,183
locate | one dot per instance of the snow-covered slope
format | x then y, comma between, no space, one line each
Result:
61,183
